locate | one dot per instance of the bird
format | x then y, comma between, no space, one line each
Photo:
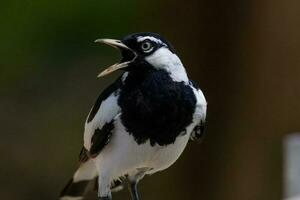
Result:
141,123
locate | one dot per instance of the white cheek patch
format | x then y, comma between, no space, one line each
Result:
164,59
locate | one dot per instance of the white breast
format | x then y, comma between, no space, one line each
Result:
123,155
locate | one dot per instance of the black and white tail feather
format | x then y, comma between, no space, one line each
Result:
85,179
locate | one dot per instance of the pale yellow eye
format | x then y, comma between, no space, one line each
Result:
147,46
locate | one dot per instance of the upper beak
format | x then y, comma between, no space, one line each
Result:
118,45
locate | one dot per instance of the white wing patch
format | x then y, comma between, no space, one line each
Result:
109,108
201,104
200,111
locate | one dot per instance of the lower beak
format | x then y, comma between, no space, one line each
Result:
118,45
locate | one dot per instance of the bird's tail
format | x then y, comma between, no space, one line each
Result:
77,186
85,178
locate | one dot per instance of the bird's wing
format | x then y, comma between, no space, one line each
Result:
198,132
200,112
100,121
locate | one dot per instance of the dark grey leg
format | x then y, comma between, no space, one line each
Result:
133,190
133,181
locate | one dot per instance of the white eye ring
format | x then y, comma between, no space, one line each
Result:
147,47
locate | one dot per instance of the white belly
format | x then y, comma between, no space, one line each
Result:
123,155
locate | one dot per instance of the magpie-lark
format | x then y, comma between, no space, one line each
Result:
142,122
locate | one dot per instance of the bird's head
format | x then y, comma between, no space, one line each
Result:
142,50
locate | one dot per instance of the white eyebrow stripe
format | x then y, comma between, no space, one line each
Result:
158,41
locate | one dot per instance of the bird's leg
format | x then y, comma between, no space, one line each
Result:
104,192
133,190
133,180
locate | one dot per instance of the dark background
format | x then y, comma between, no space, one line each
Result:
244,54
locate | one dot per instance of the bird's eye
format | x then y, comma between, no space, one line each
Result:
147,46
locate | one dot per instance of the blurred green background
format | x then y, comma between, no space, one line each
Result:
244,54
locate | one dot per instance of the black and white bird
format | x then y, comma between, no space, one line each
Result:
142,122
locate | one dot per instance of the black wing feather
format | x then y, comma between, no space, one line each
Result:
100,138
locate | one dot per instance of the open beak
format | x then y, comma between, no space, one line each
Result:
130,55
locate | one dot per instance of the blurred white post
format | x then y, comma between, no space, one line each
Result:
292,167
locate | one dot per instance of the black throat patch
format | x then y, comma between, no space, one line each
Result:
154,107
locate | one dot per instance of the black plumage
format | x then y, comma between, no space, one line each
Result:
100,138
154,107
